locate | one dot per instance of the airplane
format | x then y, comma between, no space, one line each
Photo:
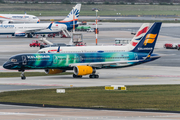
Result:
87,63
18,18
64,49
21,30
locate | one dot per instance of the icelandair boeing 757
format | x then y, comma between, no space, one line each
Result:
18,18
21,30
87,63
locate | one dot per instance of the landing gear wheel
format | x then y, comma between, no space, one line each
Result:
74,76
97,76
23,77
77,76
94,76
29,35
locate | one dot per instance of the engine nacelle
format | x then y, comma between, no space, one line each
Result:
83,70
20,34
53,71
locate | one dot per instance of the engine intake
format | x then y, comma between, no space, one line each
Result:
53,71
83,70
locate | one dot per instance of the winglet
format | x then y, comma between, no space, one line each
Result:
38,21
49,27
58,49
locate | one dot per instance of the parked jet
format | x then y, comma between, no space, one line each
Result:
21,30
18,18
139,34
87,63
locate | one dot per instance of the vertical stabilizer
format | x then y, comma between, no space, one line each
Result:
140,33
147,43
68,21
76,11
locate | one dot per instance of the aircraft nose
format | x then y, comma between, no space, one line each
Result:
7,65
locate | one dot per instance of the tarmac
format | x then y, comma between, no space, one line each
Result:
162,71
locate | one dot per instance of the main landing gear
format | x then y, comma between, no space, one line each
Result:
29,35
23,77
77,76
90,76
93,76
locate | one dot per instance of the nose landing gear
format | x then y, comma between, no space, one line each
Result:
23,77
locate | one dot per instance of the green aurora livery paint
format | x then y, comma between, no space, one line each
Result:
65,61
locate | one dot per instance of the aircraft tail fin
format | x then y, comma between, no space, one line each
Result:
75,11
139,34
147,43
73,15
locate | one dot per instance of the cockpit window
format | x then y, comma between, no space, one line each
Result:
13,60
35,18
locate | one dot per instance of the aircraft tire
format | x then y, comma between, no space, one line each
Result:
93,76
96,76
77,76
74,76
23,77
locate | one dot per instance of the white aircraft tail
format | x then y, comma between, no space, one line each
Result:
76,11
68,21
139,34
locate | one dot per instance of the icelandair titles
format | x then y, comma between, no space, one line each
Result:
145,48
33,57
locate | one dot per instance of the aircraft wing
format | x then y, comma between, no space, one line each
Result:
100,64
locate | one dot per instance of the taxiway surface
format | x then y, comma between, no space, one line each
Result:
14,112
162,71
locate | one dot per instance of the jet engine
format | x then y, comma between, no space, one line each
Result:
83,70
20,34
53,71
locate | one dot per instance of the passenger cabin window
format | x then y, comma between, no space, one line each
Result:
41,52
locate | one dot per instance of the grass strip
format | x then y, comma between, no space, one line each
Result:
29,74
147,97
64,9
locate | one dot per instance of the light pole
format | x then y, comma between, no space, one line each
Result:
73,21
96,26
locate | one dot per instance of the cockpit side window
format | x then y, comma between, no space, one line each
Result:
13,60
35,18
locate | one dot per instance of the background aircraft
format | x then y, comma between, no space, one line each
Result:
139,34
18,18
21,30
87,63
